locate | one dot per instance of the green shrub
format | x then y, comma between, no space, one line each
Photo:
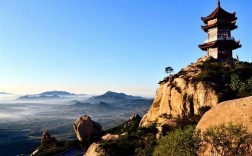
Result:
140,142
228,140
242,88
231,79
51,151
179,143
224,140
128,126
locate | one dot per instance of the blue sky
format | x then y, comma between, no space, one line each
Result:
91,46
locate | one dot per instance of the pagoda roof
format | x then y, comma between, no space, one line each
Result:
232,25
221,43
219,12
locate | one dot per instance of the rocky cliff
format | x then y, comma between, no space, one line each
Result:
192,90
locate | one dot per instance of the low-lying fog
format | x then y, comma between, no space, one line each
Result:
22,121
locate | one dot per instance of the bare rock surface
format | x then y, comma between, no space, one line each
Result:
94,150
237,111
178,96
107,137
84,127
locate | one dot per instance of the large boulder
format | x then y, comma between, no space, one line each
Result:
84,127
237,111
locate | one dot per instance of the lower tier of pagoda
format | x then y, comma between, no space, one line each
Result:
232,44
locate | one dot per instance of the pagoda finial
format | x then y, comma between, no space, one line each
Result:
218,3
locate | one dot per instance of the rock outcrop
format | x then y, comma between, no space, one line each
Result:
179,95
94,150
47,140
84,127
107,137
237,111
113,134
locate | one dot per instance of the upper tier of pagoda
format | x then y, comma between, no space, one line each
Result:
221,18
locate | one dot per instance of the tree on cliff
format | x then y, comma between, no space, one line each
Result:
169,70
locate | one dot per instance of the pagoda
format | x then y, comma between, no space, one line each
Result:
219,25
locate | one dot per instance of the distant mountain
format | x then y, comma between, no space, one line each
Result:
78,104
58,93
112,97
103,105
38,97
47,95
120,100
89,105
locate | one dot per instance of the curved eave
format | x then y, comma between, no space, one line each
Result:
232,26
219,12
221,43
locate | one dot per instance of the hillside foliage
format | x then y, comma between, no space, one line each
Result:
179,142
232,79
230,139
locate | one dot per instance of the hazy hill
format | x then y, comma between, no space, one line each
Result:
4,93
39,97
113,97
48,95
58,93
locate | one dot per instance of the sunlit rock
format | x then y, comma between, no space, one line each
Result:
84,127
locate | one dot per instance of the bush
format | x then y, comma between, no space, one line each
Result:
242,88
179,142
140,142
231,79
228,140
51,151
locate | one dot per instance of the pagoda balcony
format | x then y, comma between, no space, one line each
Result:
219,38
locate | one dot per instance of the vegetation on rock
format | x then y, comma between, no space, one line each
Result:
179,142
231,139
139,142
232,78
228,140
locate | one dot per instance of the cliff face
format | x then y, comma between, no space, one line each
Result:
180,95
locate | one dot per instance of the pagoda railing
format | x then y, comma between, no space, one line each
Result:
219,38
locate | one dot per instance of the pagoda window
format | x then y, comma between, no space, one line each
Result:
223,34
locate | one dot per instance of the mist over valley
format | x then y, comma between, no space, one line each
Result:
23,118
